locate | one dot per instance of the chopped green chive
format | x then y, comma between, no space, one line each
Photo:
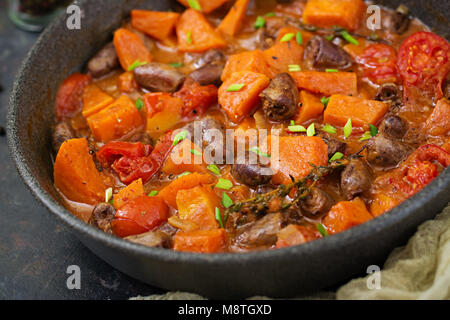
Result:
143,213
296,128
196,152
195,5
259,152
373,130
177,64
287,37
366,136
111,202
108,194
294,68
136,64
224,184
153,193
325,100
322,230
348,128
184,174
226,200
259,23
331,70
348,37
336,156
270,14
180,136
311,131
189,37
219,217
235,87
329,128
139,104
329,37
299,38
214,169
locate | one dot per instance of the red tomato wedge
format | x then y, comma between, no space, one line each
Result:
379,63
69,98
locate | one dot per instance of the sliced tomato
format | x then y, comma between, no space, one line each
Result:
431,152
117,149
140,215
69,96
197,99
423,64
379,63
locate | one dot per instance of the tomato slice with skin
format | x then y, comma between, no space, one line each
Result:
379,63
117,149
69,96
140,215
197,99
423,64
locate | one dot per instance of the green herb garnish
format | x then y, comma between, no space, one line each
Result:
296,128
311,131
195,5
153,193
108,194
325,100
235,87
219,217
226,200
214,169
329,128
348,128
337,156
180,136
331,70
348,37
373,130
259,152
196,152
287,37
270,14
177,64
139,104
136,64
224,184
366,136
189,37
299,38
260,22
294,68
322,230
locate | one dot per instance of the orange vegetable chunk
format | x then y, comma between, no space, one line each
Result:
94,100
163,112
438,124
182,159
293,235
76,175
196,34
126,82
295,155
329,13
327,83
201,241
241,103
115,121
254,61
169,193
206,5
156,24
362,111
130,192
382,203
198,205
311,107
130,48
233,20
283,54
345,215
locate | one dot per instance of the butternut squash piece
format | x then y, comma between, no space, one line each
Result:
232,22
94,100
295,156
345,215
198,205
362,111
438,124
283,54
327,83
206,5
195,33
382,203
163,113
130,48
185,157
254,61
115,121
169,193
76,175
239,104
156,24
132,191
201,241
311,107
329,13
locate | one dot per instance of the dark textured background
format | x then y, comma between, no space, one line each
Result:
36,248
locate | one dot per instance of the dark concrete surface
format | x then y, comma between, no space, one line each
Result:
35,248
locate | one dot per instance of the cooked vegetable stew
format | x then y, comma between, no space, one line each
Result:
361,120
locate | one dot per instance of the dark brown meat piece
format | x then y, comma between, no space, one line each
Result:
104,62
251,172
396,21
154,239
334,145
211,57
102,216
208,74
394,126
158,77
317,203
61,133
273,26
386,152
263,232
389,92
321,53
355,179
280,98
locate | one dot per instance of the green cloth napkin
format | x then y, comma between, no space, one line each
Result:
419,270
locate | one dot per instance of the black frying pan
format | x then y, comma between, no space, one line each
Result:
276,273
